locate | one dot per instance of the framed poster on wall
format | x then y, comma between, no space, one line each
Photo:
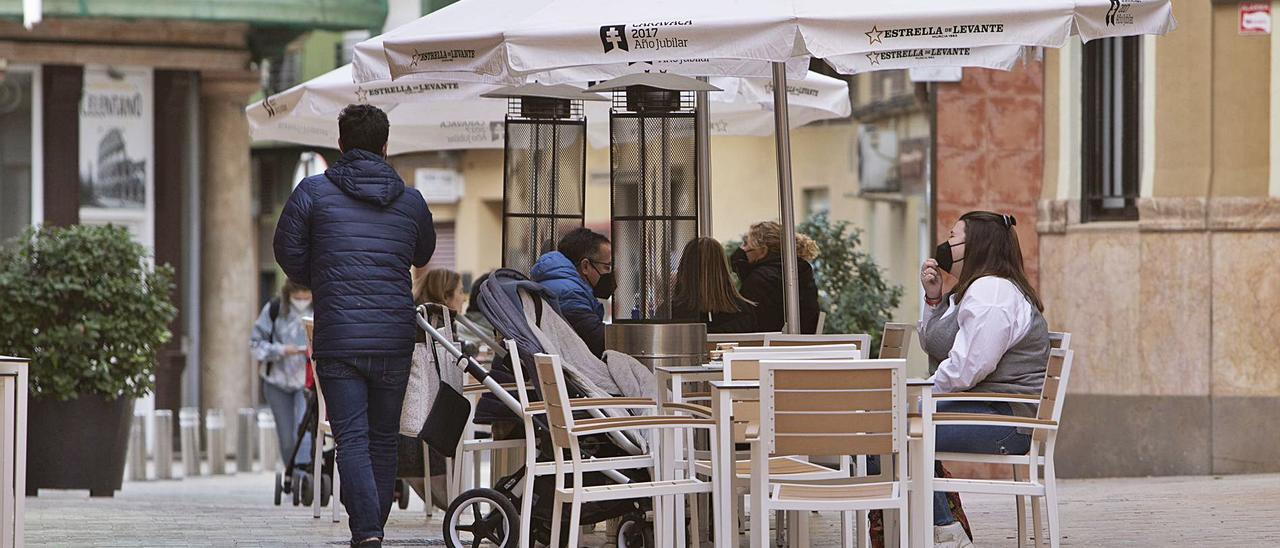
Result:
117,146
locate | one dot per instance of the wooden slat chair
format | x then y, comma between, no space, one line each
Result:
1059,339
741,340
743,408
1044,427
323,428
565,431
826,408
534,468
895,341
862,340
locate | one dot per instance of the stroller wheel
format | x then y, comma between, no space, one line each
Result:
295,487
308,489
326,489
279,487
402,494
480,516
634,532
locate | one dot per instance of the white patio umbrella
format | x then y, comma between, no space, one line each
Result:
424,115
561,34
744,107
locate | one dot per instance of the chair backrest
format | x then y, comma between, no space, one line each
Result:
1060,339
741,339
309,326
895,342
1055,388
744,365
823,408
861,339
556,397
822,321
522,394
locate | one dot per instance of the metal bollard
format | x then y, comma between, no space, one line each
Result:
245,438
163,451
267,450
189,423
138,448
215,441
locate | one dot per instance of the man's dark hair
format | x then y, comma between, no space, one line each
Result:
581,243
364,127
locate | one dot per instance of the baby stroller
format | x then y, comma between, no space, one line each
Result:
298,480
525,315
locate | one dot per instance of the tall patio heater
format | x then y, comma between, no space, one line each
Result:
653,147
544,169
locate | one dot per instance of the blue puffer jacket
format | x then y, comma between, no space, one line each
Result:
350,235
578,304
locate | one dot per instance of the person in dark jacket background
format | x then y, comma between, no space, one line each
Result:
580,273
351,236
704,292
758,264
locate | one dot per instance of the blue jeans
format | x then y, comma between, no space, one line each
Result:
288,407
991,440
363,396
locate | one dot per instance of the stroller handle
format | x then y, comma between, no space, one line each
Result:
471,365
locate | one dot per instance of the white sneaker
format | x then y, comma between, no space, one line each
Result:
951,536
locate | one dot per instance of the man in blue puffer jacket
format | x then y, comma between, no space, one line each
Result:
579,273
351,235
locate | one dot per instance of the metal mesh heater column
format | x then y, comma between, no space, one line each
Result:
544,176
653,150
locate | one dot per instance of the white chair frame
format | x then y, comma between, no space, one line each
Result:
850,494
1041,455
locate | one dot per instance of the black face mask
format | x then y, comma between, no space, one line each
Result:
605,286
943,255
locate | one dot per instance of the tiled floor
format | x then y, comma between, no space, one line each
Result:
237,511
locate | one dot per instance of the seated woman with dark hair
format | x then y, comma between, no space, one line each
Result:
704,291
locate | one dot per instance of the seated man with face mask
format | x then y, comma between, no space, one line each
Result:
580,273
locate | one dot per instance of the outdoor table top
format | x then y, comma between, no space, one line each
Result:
685,369
732,385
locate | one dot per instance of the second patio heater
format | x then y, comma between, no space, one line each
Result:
653,149
544,169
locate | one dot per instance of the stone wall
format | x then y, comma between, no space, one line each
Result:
1177,334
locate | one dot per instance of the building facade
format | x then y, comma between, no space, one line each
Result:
1145,176
132,113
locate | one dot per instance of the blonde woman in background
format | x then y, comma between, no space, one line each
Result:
758,264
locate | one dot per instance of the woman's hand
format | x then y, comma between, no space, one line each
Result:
931,279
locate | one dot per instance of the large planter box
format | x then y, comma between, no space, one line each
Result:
77,444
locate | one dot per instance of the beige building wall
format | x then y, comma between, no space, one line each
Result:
1175,366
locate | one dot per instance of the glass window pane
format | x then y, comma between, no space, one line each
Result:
15,153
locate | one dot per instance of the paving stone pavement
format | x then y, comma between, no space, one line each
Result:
237,511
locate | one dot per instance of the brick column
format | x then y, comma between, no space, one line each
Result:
990,150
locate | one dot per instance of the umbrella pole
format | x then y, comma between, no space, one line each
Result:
782,141
702,132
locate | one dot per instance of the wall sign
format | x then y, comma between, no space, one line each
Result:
438,186
117,147
1255,18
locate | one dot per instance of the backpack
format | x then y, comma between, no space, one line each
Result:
273,312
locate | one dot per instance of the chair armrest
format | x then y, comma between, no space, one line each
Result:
983,419
611,424
1030,399
700,411
583,404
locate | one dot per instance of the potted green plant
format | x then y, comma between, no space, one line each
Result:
85,304
851,286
